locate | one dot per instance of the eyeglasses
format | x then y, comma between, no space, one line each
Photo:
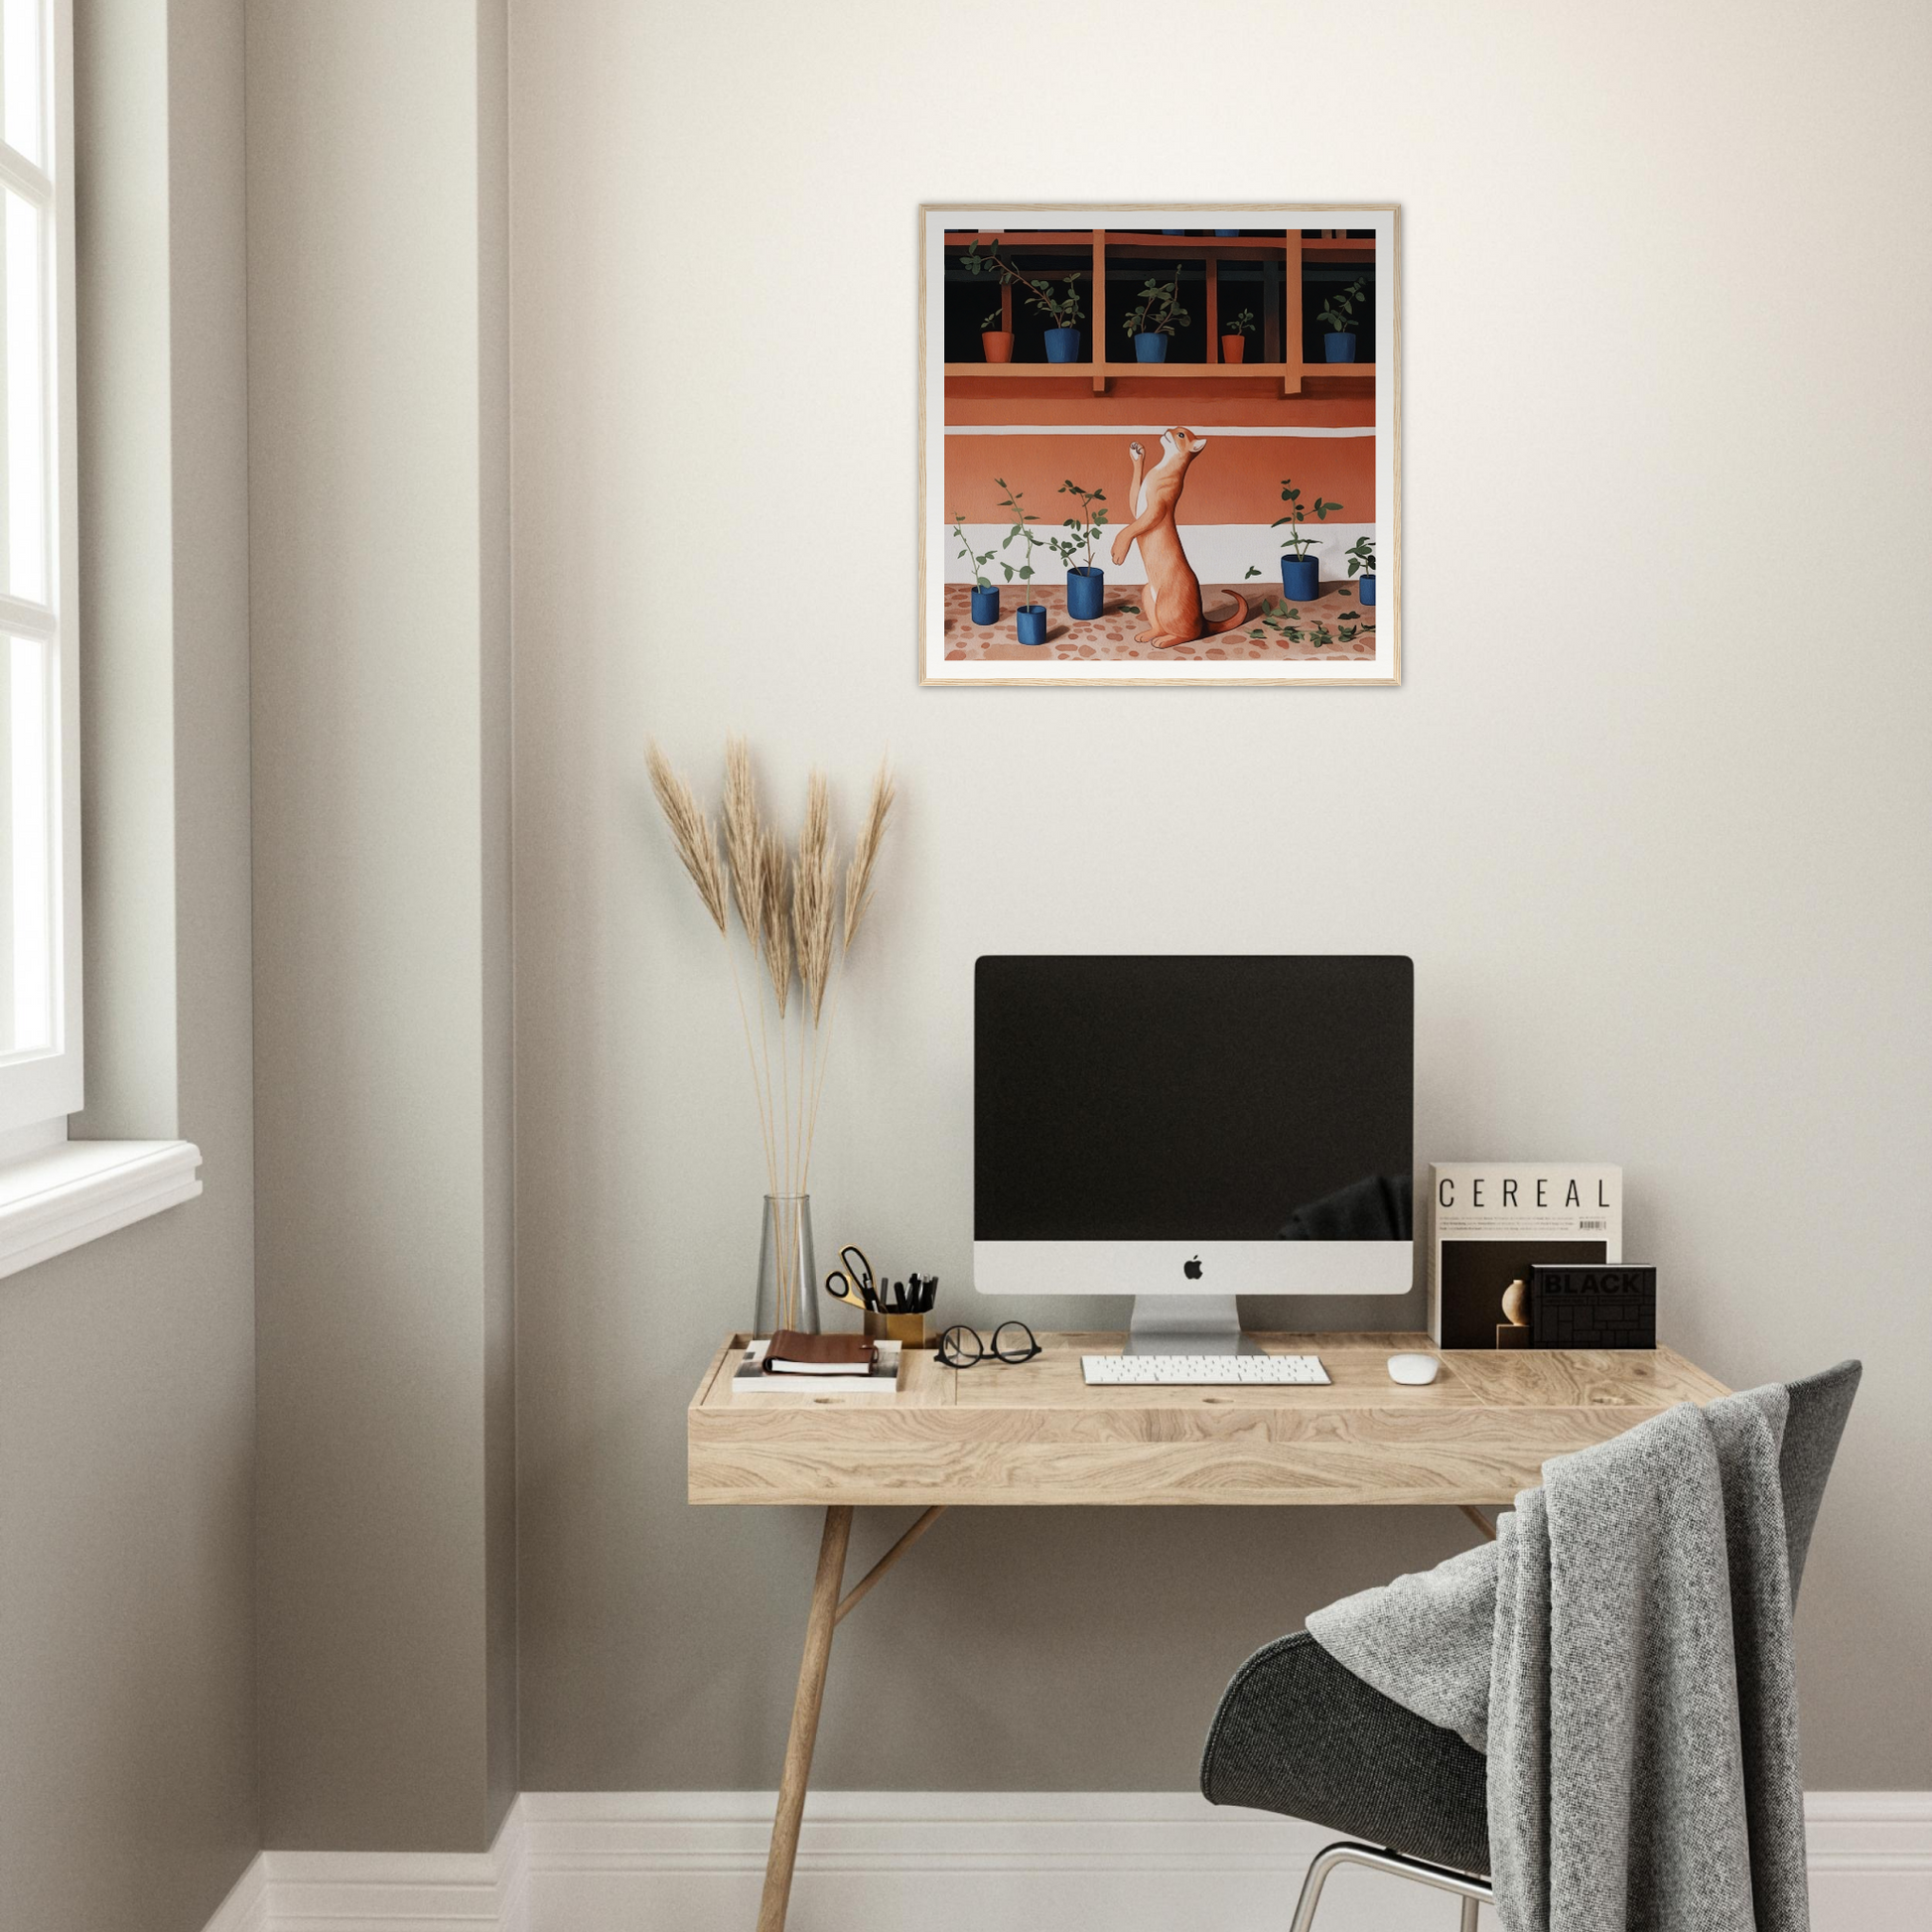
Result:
1013,1341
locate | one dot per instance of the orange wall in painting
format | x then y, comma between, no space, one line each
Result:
1235,480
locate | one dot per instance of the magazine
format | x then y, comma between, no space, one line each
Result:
1490,1222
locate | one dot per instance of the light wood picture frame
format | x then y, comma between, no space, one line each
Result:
1130,415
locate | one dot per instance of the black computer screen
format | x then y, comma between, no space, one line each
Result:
1207,1098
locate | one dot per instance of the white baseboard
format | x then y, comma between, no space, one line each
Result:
954,1861
385,1892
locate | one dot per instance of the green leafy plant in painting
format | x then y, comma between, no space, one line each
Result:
991,264
1084,529
1340,315
1242,324
1346,632
1292,497
1156,311
979,560
1022,531
993,322
1361,556
1321,636
1281,619
1253,570
1062,311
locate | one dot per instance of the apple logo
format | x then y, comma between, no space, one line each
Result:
1192,1269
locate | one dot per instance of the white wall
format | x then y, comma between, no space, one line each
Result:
1650,812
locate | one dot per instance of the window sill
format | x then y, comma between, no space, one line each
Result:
79,1190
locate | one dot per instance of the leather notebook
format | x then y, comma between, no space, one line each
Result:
793,1353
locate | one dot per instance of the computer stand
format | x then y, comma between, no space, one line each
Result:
1186,1324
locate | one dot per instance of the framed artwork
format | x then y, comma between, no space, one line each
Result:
1160,445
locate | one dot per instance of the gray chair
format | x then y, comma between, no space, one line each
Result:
1299,1733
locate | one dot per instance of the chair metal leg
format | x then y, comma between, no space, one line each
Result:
1473,1891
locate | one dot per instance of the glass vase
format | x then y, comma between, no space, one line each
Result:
787,1273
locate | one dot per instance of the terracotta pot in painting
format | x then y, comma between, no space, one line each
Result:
998,344
1233,348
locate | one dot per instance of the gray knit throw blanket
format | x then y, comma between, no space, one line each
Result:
1623,1652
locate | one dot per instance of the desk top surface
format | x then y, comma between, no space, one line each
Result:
1036,1433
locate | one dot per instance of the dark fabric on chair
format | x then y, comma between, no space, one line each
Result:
1819,1406
1299,1733
1304,1735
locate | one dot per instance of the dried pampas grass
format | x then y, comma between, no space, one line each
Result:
814,896
865,851
788,914
743,848
775,918
691,832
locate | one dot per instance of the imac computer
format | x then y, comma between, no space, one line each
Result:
1188,1129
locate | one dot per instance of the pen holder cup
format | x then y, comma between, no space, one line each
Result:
907,1329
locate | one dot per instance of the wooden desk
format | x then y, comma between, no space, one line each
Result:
1033,1434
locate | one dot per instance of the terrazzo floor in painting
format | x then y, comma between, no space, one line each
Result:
1110,636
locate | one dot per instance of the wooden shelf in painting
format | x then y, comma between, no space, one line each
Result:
1281,323
1342,378
1057,240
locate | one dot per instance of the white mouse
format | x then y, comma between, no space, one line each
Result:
1415,1369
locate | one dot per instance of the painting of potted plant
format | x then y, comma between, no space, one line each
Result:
1032,617
1063,315
1157,312
995,340
1062,312
1086,586
1301,573
1361,557
1234,335
996,343
1339,317
986,592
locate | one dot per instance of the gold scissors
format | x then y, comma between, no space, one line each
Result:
852,1281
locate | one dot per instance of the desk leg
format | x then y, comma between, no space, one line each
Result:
804,1718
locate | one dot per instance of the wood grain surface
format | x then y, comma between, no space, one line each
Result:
1035,1433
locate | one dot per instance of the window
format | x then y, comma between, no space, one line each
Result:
40,847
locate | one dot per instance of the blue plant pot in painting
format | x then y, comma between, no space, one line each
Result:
1174,231
1032,624
1062,345
986,603
1151,347
1300,579
1340,345
1227,231
1368,588
1087,592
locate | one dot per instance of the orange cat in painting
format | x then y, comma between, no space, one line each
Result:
1173,590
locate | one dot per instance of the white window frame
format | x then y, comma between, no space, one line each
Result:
39,1089
54,1193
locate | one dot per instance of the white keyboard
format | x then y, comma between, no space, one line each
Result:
1202,1371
